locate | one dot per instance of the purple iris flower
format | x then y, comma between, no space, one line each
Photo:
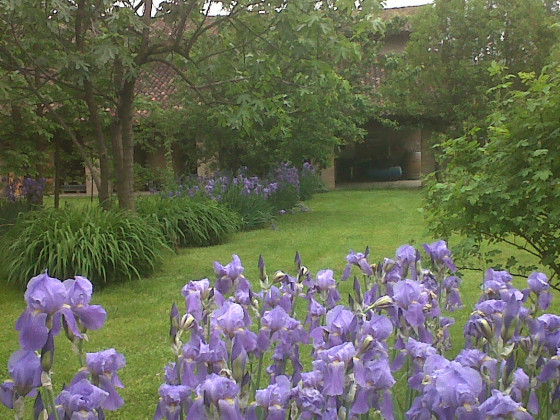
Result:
551,325
538,284
82,400
201,358
495,282
170,374
275,398
78,297
501,407
486,320
334,363
226,275
310,402
275,319
24,367
411,298
452,295
327,285
103,367
229,318
314,312
458,385
375,374
274,297
195,293
232,320
392,272
243,292
340,327
408,256
440,254
172,398
359,260
374,379
551,369
216,393
46,304
520,384
379,327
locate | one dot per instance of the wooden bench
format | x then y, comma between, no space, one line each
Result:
73,188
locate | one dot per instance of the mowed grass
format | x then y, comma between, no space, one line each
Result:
138,320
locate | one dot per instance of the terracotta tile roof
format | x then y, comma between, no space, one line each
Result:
156,83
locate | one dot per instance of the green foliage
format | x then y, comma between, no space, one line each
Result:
444,74
285,198
293,97
309,184
10,211
265,82
256,210
502,182
188,222
104,246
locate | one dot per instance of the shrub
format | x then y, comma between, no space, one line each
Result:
286,195
309,182
190,222
500,182
105,246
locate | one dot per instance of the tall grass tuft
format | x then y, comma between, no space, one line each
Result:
104,246
256,210
10,210
189,222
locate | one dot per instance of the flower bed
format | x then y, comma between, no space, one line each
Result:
239,353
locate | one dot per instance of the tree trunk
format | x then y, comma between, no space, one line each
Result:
56,171
123,145
103,153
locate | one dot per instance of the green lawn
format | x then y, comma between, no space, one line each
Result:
138,311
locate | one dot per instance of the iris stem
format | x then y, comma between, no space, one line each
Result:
49,397
19,407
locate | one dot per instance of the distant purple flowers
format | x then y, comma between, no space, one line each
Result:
280,187
31,188
53,306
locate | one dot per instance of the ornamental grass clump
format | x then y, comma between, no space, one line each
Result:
105,246
186,221
54,306
238,352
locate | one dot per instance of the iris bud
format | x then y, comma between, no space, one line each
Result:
507,333
366,344
47,353
526,345
383,302
187,321
278,276
485,328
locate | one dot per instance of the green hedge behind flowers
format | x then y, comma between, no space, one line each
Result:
190,222
105,246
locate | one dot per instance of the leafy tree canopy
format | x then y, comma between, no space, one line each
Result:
256,69
501,181
443,76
